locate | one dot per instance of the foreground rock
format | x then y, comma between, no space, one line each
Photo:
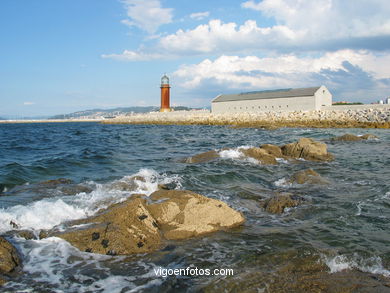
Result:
186,214
136,226
305,148
308,149
9,259
279,202
307,176
351,137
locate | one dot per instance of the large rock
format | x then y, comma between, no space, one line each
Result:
307,176
185,214
135,226
279,202
9,259
123,228
351,137
308,149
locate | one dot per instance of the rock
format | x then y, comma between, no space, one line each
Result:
277,203
75,189
9,259
26,234
307,176
127,183
261,155
185,214
203,157
56,182
307,148
369,136
273,150
351,137
135,226
124,228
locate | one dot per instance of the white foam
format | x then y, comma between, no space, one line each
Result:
237,154
369,265
52,260
49,212
282,182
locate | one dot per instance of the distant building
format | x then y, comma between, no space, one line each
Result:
388,101
273,100
381,102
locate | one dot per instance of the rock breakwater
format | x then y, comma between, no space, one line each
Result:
353,118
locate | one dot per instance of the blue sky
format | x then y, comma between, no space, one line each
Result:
67,55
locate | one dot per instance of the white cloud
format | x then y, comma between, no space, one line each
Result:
28,103
217,36
199,15
328,19
252,72
127,55
148,15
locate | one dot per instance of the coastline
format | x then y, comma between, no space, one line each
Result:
327,118
48,121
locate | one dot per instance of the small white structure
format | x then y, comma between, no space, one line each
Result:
304,99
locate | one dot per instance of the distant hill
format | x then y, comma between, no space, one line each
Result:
98,113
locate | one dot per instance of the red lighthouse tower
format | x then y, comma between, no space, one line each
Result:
165,94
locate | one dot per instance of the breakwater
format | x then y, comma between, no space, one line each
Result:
363,117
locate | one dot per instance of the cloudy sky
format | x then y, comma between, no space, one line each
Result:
66,55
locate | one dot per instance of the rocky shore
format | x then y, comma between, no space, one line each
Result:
330,118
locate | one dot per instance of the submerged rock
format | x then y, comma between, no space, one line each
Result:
135,226
277,203
307,176
185,214
9,259
290,272
308,149
351,137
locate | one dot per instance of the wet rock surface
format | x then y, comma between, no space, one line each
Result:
280,201
351,137
136,226
9,259
202,157
292,273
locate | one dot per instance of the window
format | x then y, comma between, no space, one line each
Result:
286,106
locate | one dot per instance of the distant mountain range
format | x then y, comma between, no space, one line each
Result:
108,113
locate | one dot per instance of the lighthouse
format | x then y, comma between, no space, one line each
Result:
165,94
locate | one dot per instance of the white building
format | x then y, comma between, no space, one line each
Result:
273,100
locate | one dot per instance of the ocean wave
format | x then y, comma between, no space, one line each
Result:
49,212
342,262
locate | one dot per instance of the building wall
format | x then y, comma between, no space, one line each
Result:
323,98
266,105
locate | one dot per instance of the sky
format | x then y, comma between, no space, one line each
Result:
63,56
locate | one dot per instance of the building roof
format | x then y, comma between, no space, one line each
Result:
268,94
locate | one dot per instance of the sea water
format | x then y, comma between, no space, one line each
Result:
345,223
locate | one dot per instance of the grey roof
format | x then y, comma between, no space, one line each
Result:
268,94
